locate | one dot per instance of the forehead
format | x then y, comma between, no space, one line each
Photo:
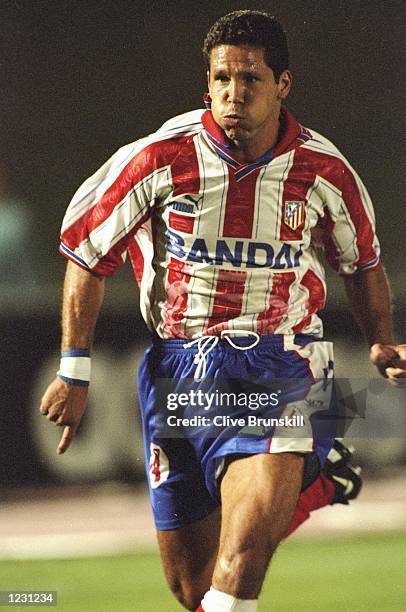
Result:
241,57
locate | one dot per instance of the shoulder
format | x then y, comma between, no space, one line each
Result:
326,158
136,162
165,142
318,143
186,123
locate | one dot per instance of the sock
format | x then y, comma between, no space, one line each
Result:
216,601
318,495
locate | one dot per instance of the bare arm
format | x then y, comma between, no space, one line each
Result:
369,298
83,295
62,403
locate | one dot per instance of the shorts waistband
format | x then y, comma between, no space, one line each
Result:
271,341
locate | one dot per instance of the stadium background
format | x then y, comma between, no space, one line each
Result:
81,78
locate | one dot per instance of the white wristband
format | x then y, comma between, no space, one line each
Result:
75,367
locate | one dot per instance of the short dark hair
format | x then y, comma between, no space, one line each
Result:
254,28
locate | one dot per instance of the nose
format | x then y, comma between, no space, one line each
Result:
235,91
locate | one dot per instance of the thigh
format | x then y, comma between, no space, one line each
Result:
259,496
188,557
262,486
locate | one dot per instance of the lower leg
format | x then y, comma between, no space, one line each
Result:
188,557
337,483
318,495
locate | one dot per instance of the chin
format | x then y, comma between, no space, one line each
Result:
236,134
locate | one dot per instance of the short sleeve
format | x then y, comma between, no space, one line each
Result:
348,236
106,212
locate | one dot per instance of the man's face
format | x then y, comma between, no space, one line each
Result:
245,97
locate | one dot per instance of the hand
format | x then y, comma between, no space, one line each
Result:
391,361
64,406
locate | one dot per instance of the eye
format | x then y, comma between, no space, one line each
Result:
222,78
250,78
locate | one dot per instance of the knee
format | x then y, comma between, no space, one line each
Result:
242,572
186,592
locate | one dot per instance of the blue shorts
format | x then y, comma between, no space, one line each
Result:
187,439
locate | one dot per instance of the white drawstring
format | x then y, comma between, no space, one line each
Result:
205,344
242,332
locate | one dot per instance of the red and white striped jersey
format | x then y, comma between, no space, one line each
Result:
216,244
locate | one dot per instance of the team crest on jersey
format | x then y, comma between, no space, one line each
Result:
294,213
158,466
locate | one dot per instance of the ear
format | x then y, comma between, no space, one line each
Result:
284,84
208,78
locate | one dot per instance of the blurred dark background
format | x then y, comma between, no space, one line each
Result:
81,78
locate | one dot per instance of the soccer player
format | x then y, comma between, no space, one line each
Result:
220,212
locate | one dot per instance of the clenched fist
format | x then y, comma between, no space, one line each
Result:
390,359
64,405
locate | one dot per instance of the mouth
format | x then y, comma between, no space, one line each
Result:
232,119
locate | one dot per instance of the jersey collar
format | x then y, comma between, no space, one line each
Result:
292,134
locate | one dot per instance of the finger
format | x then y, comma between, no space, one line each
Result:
62,420
44,408
54,416
55,411
380,353
51,407
59,421
395,373
401,349
66,439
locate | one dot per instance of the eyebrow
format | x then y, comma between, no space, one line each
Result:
217,72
